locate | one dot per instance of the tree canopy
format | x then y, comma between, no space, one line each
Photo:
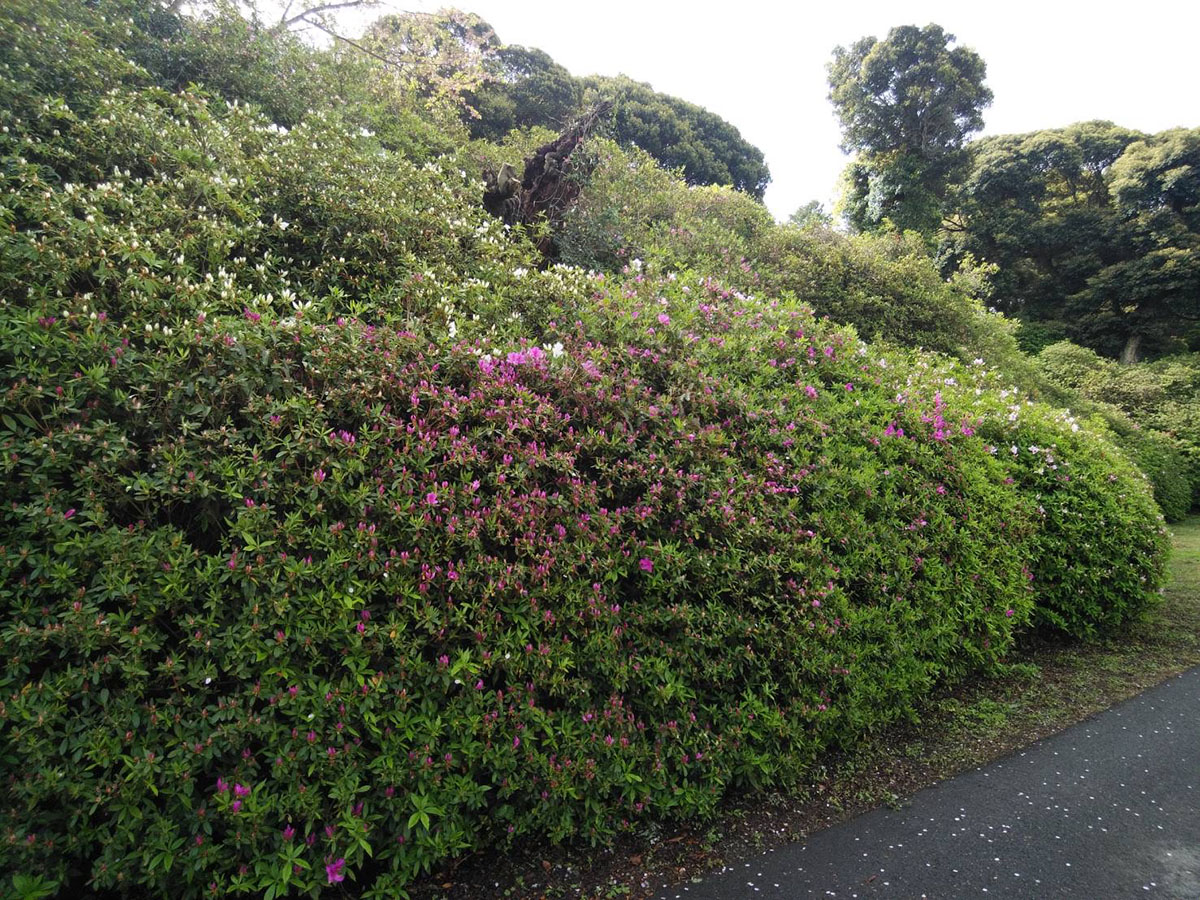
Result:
1094,230
682,135
527,88
906,106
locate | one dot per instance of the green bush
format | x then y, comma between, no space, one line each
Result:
304,592
1154,409
886,287
632,208
889,290
1098,555
1166,467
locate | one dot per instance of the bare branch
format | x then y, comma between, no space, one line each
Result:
345,40
287,22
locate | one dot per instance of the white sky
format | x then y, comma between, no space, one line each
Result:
761,65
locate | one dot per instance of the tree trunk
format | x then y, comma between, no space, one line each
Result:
1131,353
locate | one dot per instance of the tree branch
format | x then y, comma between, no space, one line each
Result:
345,40
286,22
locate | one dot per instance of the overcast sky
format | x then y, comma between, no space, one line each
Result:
761,65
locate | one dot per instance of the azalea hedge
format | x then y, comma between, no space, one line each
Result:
337,539
292,603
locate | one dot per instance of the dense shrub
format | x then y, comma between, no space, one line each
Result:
886,287
1097,551
427,598
1153,408
1165,466
1098,555
331,589
633,208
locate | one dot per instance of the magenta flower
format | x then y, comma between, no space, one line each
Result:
289,833
811,391
334,871
664,319
361,628
431,498
646,565
241,790
222,785
319,476
68,514
236,806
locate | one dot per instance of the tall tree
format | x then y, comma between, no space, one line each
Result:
811,215
1038,206
906,105
443,56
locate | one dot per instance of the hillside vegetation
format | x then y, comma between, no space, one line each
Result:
342,533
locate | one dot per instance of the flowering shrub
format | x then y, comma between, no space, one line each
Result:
337,540
887,287
1153,407
1098,552
395,600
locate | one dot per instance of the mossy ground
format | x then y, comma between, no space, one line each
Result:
1045,688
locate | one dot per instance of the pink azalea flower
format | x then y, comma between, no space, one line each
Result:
646,565
334,871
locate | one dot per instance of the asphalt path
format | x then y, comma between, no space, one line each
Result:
1109,808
